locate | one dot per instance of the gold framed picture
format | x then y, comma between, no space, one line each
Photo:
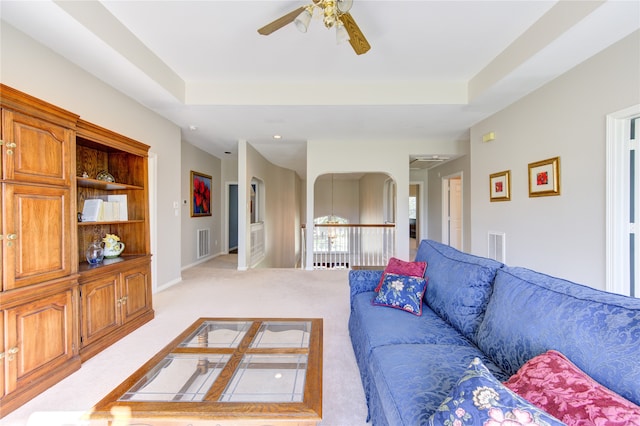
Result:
500,186
544,178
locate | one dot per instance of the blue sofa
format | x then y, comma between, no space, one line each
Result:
477,307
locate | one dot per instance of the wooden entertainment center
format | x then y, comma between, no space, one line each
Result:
56,310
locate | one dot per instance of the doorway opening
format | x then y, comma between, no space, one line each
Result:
415,216
232,229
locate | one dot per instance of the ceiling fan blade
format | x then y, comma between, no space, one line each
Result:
356,38
281,22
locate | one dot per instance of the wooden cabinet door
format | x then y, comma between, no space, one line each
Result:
35,150
37,234
3,356
100,308
39,339
136,291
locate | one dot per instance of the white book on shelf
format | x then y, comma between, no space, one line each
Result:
92,209
121,199
110,211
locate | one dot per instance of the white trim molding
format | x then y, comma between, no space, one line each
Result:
617,200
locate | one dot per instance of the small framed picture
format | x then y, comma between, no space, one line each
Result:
544,178
500,186
200,194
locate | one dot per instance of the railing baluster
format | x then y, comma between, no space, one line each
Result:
349,246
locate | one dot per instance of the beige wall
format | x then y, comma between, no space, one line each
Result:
30,67
195,159
372,198
282,215
344,196
560,235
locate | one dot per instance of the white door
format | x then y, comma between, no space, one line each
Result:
452,211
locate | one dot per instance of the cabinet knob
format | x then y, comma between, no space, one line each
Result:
1,355
10,145
11,238
12,352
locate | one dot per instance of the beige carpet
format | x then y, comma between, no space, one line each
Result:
216,289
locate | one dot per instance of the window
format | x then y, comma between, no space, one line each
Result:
389,200
623,181
257,201
412,207
330,239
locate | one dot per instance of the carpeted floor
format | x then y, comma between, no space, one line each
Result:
217,289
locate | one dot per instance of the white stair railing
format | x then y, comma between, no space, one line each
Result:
340,246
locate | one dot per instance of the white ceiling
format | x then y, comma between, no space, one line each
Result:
434,69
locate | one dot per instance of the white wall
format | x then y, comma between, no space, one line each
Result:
391,157
193,158
434,221
31,68
559,235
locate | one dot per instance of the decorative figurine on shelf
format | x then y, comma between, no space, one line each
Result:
105,176
95,253
112,246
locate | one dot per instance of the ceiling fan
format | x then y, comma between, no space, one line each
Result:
335,14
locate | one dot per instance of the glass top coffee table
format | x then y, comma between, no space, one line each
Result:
219,371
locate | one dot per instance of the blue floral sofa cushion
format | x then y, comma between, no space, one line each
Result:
531,313
479,399
459,285
401,292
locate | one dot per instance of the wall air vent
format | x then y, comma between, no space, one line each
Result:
497,246
204,245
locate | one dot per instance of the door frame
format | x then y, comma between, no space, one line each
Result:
227,185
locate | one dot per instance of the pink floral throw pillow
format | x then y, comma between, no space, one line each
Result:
401,267
553,383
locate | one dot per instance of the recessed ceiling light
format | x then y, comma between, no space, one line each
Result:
193,127
277,136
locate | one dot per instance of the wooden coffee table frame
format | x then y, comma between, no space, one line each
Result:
111,410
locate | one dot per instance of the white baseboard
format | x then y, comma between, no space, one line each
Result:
168,284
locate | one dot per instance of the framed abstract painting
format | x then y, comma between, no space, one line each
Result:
200,194
544,178
500,186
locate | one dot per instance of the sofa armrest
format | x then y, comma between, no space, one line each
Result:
361,280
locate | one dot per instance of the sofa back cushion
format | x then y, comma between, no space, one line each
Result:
459,285
530,313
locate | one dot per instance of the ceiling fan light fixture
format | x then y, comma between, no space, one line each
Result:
302,21
330,13
342,35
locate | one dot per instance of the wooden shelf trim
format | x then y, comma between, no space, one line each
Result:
101,184
111,222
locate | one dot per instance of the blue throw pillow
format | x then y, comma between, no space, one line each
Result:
401,292
480,399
